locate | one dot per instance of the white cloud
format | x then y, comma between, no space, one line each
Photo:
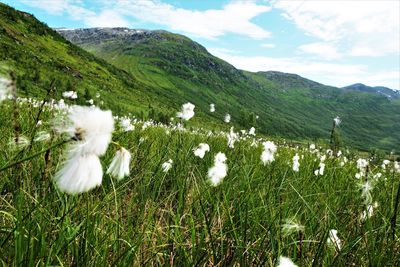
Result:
107,18
322,50
235,17
368,28
327,73
268,45
54,7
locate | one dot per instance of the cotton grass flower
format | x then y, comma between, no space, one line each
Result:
219,170
91,127
385,163
267,156
126,125
166,166
334,240
369,212
252,131
119,166
187,111
337,120
201,150
4,89
232,138
212,108
227,118
296,164
80,173
321,169
70,94
292,226
366,189
42,136
362,165
285,262
20,142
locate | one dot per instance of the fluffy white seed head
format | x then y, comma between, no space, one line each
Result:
119,166
201,150
91,127
252,131
334,240
296,164
219,170
126,125
337,120
166,166
212,108
70,94
187,111
5,90
285,262
267,156
80,173
227,118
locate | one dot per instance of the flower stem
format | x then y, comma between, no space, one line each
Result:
33,155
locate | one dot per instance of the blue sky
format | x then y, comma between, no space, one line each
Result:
333,42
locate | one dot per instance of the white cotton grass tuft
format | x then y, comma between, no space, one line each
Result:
166,166
70,94
267,156
227,118
321,169
21,142
119,166
232,138
212,108
337,121
201,150
292,226
334,240
42,136
91,127
80,173
187,111
285,262
296,164
126,125
366,189
369,212
252,131
362,165
219,170
5,89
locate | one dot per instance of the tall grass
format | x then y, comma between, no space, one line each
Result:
177,218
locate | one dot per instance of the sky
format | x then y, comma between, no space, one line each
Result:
333,42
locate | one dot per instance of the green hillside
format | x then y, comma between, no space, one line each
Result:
288,105
145,71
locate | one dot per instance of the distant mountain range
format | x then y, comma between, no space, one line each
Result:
387,92
152,73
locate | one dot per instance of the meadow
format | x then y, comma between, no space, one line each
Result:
256,214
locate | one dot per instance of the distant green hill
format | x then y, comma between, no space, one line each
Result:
151,73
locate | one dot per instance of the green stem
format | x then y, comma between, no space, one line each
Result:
33,156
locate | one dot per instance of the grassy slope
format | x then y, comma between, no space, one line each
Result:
177,218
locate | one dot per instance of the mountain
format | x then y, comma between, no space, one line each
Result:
387,92
152,73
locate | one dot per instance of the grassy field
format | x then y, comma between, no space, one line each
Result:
177,218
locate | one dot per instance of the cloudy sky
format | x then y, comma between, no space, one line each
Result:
330,41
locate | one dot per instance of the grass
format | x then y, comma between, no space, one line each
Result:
178,218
